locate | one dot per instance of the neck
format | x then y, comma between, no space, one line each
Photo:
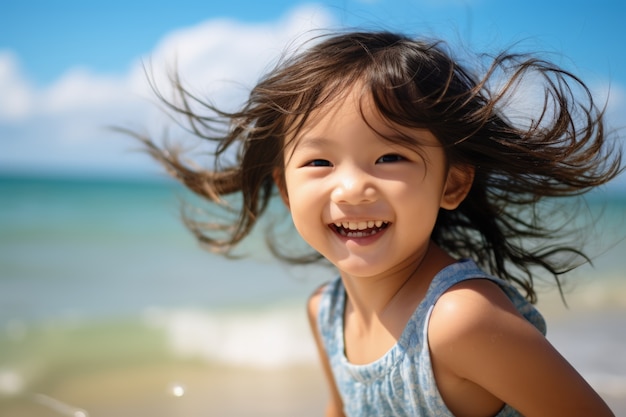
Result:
395,295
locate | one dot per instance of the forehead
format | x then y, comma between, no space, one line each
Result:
349,110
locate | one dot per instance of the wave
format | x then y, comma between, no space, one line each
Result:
266,338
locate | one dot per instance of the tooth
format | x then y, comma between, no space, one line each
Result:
345,225
370,224
353,226
362,225
379,223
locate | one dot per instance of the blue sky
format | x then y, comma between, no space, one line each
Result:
68,68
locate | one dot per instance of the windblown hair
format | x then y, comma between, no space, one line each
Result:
560,150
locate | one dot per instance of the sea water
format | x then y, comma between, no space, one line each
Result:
100,279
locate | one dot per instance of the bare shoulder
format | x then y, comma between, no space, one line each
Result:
470,306
313,303
470,319
473,318
479,340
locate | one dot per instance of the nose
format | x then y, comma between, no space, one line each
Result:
353,186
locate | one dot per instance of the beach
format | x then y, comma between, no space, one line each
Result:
207,392
108,307
188,385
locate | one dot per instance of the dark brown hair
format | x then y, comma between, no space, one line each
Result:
560,150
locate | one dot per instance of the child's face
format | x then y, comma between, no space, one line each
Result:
364,203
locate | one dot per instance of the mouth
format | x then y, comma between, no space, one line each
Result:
359,229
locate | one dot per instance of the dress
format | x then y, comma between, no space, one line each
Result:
401,382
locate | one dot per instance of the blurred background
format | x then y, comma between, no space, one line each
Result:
108,307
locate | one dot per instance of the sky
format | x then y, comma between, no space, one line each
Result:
69,69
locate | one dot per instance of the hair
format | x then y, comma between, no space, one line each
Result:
560,150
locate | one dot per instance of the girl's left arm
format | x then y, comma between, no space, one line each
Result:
477,335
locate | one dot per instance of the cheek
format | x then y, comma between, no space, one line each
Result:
421,200
306,207
300,186
297,199
304,222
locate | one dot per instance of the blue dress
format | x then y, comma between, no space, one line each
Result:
402,382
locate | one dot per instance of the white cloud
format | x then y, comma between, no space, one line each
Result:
62,125
16,95
225,54
79,89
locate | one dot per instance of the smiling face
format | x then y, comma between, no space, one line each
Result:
366,204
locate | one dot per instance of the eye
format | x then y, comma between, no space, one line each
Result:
392,157
318,163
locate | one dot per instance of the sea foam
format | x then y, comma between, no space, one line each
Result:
265,338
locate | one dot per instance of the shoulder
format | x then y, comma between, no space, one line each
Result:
326,301
313,303
472,310
323,301
474,326
480,342
475,296
477,340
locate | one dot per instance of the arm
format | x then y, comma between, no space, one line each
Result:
334,407
479,341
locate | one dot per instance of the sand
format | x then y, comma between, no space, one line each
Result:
188,391
592,339
184,390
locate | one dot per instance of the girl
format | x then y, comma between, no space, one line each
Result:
416,180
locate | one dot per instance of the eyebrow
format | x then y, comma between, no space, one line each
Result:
314,142
311,142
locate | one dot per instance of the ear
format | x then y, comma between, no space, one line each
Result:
458,184
279,180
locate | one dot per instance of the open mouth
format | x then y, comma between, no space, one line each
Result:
360,229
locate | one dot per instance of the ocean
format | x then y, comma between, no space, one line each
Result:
109,307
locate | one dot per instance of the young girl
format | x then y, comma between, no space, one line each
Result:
418,182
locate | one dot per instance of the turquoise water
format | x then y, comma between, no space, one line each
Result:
101,274
97,247
85,248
